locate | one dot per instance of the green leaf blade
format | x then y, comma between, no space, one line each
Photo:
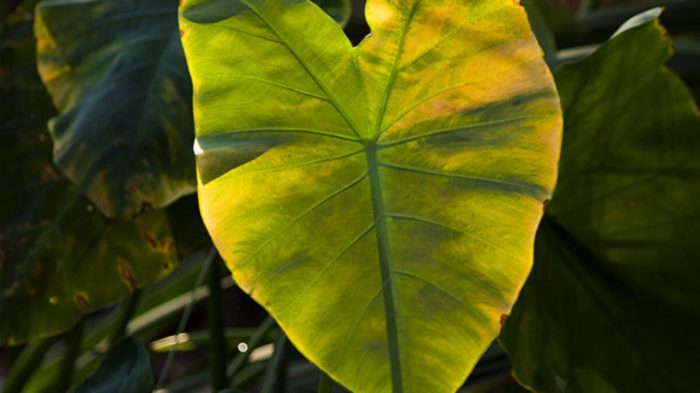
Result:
315,193
60,258
616,264
120,83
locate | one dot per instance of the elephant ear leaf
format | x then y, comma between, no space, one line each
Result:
380,201
60,258
117,74
616,258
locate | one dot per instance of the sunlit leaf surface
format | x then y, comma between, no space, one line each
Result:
380,201
612,303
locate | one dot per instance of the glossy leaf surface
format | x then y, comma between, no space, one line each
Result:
612,303
117,74
380,201
125,369
59,257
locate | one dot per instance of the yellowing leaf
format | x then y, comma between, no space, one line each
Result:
380,201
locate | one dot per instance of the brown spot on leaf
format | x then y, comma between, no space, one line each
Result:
167,265
182,33
126,274
503,319
150,240
81,301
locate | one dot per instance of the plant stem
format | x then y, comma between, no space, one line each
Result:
217,341
325,383
253,343
25,364
276,373
129,305
73,338
186,316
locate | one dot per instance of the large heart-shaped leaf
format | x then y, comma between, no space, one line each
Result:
117,74
612,303
380,201
59,257
125,369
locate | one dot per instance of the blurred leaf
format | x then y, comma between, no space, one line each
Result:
125,369
612,303
117,74
559,19
540,28
339,10
59,257
443,126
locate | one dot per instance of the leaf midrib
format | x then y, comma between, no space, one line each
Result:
386,266
379,212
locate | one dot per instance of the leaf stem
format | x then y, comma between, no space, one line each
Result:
325,383
253,343
26,364
276,372
217,341
73,339
128,308
391,311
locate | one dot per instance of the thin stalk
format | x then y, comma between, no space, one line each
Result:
275,377
325,383
25,364
73,339
217,340
255,341
185,317
129,307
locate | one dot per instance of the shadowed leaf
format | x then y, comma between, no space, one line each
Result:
612,303
117,74
125,369
59,256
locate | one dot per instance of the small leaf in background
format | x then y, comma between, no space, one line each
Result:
117,74
125,369
380,201
612,302
59,256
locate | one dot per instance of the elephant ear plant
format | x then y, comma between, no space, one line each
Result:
379,200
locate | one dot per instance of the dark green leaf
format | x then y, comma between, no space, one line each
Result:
125,369
59,256
117,74
612,303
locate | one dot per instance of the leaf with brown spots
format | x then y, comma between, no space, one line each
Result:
59,256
